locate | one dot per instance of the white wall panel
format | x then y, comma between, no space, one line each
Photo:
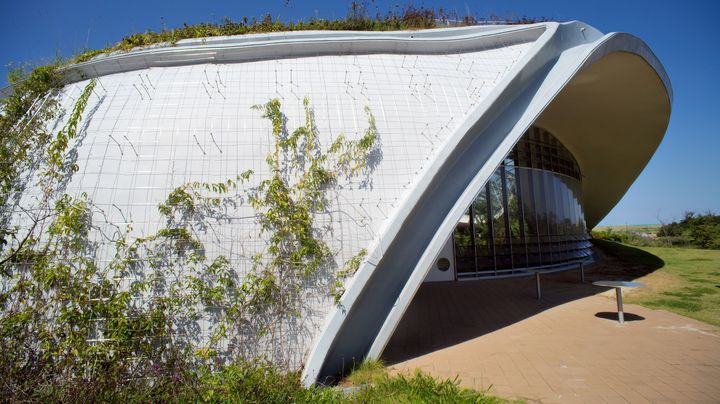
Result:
148,131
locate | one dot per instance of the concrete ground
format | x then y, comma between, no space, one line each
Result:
568,347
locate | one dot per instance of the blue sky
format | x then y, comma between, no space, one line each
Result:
683,174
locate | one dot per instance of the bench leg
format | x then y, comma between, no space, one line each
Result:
621,316
537,285
582,272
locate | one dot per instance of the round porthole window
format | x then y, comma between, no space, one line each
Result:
443,264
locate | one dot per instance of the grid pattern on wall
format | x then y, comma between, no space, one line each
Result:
528,215
146,132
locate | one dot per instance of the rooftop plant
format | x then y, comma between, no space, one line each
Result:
358,18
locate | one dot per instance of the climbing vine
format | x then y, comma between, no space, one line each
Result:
286,205
66,314
58,146
24,134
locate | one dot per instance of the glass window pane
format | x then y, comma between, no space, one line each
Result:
464,254
529,214
483,238
515,216
499,223
525,179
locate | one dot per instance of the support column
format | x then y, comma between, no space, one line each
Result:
618,293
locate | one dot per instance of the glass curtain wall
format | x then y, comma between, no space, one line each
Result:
529,213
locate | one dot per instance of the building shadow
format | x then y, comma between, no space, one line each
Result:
443,314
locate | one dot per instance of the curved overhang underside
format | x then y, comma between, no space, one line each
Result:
608,100
612,116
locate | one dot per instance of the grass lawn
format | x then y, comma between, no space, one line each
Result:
248,382
683,280
374,385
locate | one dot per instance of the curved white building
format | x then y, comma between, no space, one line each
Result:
499,146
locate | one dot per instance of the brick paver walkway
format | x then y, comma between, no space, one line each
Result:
494,335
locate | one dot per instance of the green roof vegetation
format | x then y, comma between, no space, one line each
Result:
358,18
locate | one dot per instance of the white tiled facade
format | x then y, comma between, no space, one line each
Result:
148,131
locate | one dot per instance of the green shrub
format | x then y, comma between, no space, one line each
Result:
246,382
239,382
701,231
609,235
693,231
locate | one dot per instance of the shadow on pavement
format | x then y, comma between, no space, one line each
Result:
444,314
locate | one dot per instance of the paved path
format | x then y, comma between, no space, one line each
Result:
565,348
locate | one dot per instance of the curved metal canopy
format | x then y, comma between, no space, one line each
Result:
607,98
